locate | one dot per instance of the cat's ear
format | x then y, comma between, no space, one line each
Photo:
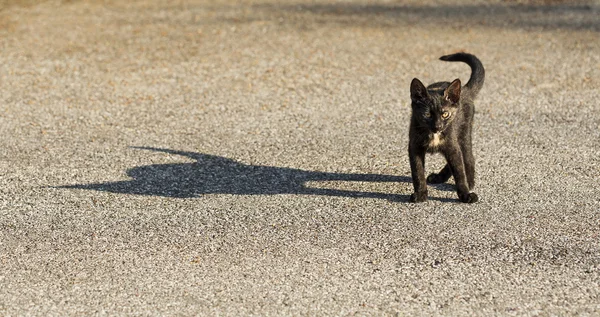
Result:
452,93
417,90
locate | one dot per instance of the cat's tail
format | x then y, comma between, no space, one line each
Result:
477,71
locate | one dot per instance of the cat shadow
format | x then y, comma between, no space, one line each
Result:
211,174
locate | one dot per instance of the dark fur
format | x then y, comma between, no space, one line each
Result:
454,132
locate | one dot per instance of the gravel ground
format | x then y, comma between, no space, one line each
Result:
217,157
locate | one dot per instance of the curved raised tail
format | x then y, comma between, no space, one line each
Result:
477,71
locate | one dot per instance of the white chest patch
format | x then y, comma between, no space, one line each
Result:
435,140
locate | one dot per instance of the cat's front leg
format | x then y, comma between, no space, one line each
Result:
456,162
417,168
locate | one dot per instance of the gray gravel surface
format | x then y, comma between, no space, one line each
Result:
216,157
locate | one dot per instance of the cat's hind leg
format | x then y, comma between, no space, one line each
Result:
441,177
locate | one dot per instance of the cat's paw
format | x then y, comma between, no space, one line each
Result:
418,197
434,178
468,198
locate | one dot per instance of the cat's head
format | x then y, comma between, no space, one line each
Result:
436,109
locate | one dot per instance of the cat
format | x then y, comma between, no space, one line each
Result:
442,122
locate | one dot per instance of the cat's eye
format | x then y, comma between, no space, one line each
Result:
445,114
427,114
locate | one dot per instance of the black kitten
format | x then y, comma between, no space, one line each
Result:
442,120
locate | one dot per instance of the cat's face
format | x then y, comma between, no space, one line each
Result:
435,111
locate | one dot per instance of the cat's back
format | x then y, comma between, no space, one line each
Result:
438,88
